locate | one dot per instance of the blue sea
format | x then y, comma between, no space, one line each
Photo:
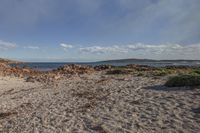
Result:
46,66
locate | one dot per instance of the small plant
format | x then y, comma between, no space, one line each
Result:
184,80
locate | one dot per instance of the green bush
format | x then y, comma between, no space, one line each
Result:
184,80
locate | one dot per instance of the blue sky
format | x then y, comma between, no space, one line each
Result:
90,30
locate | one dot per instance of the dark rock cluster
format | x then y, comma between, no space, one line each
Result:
102,67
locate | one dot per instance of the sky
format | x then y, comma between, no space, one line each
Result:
93,30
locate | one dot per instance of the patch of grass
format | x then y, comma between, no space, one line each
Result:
118,70
184,80
161,72
139,70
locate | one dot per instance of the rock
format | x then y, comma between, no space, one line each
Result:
26,70
3,66
74,69
30,79
56,77
102,67
31,75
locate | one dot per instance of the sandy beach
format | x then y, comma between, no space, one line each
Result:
99,66
98,103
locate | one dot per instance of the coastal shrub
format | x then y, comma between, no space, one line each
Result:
140,74
160,73
118,71
184,80
197,71
119,67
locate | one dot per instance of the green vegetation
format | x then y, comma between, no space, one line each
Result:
118,71
184,80
161,72
146,71
196,71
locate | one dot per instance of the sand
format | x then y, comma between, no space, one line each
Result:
98,103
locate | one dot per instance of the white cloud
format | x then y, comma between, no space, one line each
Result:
32,47
155,48
167,51
132,47
66,46
163,47
6,45
141,50
99,49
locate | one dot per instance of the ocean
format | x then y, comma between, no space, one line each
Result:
45,66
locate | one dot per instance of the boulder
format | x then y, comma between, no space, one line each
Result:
30,79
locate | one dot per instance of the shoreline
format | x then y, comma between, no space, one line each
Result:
115,63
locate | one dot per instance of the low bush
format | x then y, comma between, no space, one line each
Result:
197,71
161,72
140,74
118,71
184,80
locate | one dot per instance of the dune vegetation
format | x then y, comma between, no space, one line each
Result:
184,80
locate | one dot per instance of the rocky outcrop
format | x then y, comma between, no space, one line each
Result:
102,67
6,70
31,75
3,67
59,73
74,69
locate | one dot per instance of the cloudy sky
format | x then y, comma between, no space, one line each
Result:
90,30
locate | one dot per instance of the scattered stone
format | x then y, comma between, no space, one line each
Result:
30,79
102,67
